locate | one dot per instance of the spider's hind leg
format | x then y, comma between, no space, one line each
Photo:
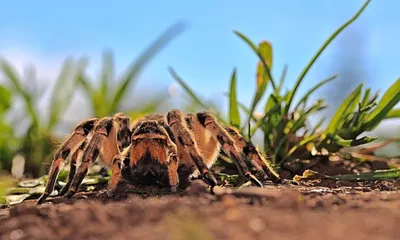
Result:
185,138
228,145
249,151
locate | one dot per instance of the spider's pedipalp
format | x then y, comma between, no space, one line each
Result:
185,139
70,145
228,145
247,149
102,144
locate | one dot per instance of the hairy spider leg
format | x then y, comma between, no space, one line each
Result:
103,144
227,144
70,145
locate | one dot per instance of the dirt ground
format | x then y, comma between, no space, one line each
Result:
315,210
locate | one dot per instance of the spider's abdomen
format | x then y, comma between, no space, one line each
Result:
147,163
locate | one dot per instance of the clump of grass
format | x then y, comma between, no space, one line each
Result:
285,123
37,143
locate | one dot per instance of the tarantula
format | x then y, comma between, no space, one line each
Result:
163,150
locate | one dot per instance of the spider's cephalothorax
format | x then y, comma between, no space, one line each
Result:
165,150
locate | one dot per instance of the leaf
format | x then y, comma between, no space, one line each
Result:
189,91
319,52
353,142
5,99
234,116
107,75
387,174
16,199
30,183
260,56
394,113
337,120
133,71
309,92
149,107
388,101
265,49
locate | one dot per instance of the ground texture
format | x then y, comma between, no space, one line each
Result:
313,210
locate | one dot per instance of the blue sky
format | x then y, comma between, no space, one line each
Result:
44,32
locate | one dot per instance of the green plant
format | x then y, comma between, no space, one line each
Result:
7,134
360,113
285,123
106,99
35,144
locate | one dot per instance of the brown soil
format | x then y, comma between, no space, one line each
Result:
315,210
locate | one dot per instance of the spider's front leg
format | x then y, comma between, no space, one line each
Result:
185,138
173,160
74,160
103,144
228,145
70,145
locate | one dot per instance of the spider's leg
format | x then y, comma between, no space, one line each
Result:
103,144
74,159
227,143
124,131
70,145
173,160
247,149
116,169
184,137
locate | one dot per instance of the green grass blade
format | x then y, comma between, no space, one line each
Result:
61,93
322,48
388,101
133,71
303,142
256,50
317,126
309,92
282,79
234,116
148,108
11,74
186,87
5,99
387,174
318,106
353,142
337,120
260,122
394,113
107,75
364,101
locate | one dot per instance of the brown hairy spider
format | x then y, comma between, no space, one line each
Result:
163,150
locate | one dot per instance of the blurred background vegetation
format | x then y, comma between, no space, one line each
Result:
286,126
